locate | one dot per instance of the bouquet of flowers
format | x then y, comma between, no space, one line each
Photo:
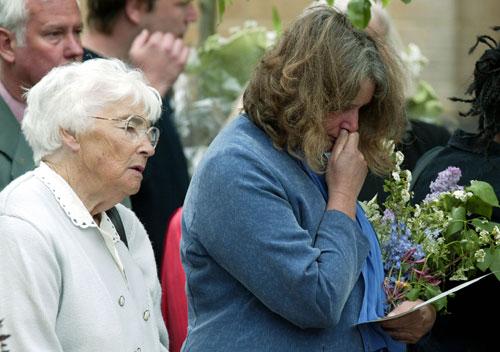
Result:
447,237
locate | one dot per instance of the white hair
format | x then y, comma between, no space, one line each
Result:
68,95
14,16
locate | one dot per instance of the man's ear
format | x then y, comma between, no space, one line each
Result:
70,140
7,45
134,10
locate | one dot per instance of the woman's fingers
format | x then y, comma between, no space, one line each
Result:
339,145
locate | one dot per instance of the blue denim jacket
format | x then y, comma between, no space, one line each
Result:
268,269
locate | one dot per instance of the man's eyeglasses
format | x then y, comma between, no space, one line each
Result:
134,126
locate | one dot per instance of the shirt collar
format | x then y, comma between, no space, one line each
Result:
15,106
467,141
76,210
65,196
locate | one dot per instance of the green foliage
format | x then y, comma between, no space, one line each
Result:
457,221
359,12
483,191
221,6
276,21
424,103
447,237
224,65
214,80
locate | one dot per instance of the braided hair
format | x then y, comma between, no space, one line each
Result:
485,92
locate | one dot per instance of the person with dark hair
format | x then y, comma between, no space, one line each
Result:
149,35
478,157
278,254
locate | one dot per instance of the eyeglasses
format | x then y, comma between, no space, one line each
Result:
134,126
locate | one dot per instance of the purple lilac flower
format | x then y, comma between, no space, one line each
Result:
446,181
388,217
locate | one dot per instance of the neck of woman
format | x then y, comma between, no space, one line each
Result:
92,196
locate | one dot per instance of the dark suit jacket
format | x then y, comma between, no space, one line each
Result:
16,156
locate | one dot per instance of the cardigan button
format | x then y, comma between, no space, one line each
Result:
146,315
121,301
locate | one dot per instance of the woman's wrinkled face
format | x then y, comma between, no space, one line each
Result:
108,154
348,119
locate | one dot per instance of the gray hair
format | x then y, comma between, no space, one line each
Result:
68,95
13,16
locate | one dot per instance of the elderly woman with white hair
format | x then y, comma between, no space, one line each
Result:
67,281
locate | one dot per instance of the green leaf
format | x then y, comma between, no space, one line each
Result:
385,2
413,294
475,205
329,2
221,7
495,263
406,1
358,11
432,291
457,222
276,20
470,241
449,202
440,303
484,191
488,258
484,224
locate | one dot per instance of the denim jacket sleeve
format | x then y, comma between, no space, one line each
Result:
248,219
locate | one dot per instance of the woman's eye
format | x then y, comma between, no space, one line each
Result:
131,129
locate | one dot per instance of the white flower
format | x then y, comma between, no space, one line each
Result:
399,158
418,211
405,195
461,195
479,255
395,176
484,237
407,176
459,275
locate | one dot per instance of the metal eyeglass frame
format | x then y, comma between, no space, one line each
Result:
153,133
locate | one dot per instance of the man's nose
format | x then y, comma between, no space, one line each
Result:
73,47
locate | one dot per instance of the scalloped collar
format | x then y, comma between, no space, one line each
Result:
76,210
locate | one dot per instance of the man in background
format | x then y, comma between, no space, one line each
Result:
149,35
35,36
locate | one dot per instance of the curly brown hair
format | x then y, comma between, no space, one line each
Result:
316,68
